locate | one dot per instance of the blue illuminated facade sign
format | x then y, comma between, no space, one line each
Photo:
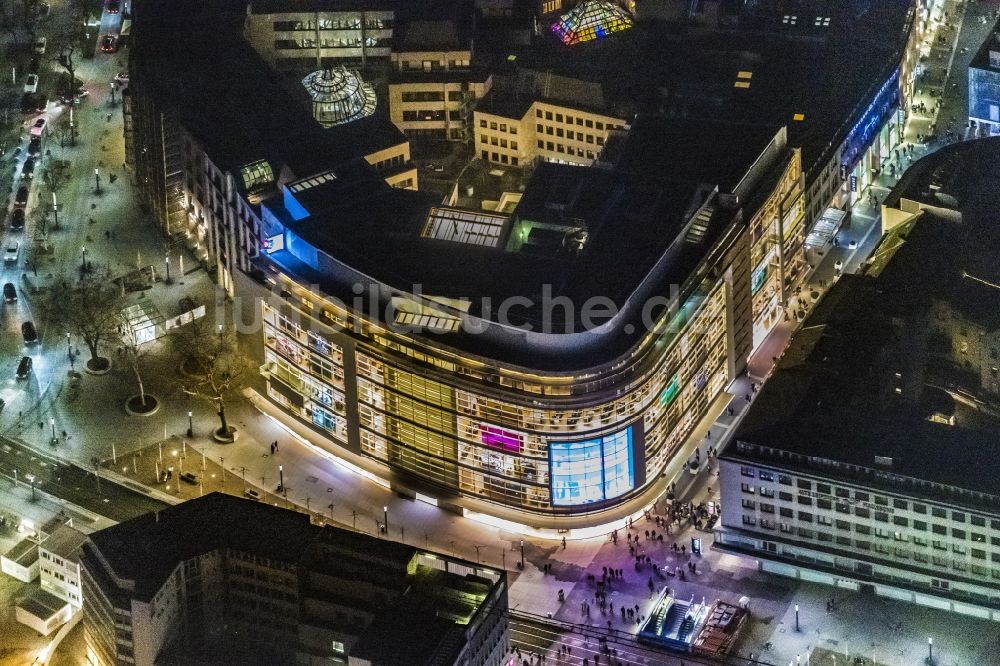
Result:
877,113
593,470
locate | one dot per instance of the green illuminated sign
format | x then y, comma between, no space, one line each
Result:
671,390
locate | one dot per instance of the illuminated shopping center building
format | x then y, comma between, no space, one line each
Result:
545,360
522,373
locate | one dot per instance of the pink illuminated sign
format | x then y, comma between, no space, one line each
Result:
498,438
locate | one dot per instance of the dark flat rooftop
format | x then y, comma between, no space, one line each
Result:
834,394
229,98
686,72
409,629
146,549
646,219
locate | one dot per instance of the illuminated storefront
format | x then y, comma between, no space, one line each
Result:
495,443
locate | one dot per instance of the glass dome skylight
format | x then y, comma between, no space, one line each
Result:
339,96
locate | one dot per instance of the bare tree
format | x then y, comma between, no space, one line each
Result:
134,349
89,308
213,366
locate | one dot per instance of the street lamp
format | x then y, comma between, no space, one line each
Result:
281,480
97,180
385,519
55,211
190,425
69,347
52,422
930,650
83,260
31,480
167,262
220,332
796,617
522,554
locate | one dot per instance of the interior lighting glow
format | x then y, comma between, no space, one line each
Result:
592,19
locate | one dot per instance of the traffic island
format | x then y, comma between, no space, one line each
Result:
225,436
139,405
98,366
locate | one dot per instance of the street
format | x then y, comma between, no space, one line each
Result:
55,426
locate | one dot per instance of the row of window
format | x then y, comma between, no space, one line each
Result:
431,115
568,134
497,141
432,96
570,120
331,24
498,127
862,496
292,44
940,559
498,157
435,65
566,150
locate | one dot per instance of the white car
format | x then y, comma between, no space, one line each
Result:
10,254
31,83
839,265
40,45
853,245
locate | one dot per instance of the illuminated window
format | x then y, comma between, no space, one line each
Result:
592,470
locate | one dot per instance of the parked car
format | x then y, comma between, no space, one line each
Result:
109,44
43,9
21,198
31,83
24,367
252,494
17,219
40,44
10,293
41,103
35,145
12,252
113,6
189,477
121,77
34,64
28,170
29,333
38,127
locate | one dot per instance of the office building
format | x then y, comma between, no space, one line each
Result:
867,461
59,564
224,580
984,86
433,85
319,34
544,116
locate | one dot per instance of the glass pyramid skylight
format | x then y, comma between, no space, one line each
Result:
591,19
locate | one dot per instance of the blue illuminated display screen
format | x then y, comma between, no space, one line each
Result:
592,470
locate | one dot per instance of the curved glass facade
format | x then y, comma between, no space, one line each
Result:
434,417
